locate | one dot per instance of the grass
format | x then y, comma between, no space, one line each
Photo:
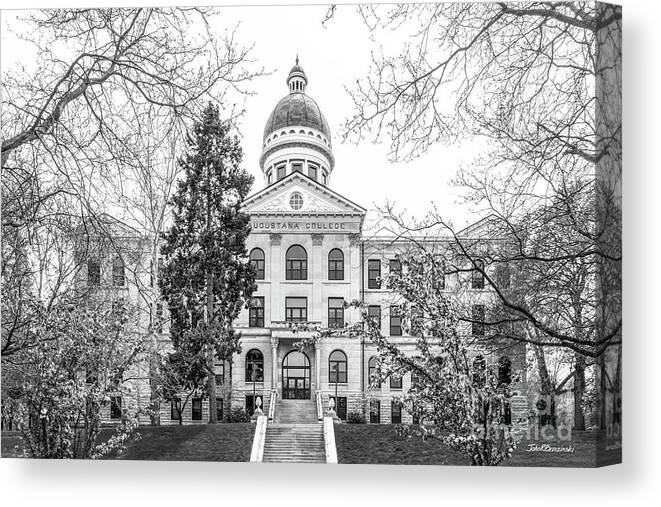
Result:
379,444
204,442
356,443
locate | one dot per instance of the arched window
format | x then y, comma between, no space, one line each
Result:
479,371
335,264
371,372
257,261
118,275
504,370
254,363
296,263
337,367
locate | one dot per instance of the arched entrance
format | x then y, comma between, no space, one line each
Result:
296,376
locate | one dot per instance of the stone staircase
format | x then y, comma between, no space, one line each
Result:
296,412
296,436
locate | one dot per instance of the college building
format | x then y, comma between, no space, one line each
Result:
311,256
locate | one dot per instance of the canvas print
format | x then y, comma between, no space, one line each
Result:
385,234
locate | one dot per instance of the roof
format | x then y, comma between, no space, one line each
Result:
296,109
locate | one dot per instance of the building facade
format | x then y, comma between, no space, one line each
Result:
308,248
311,256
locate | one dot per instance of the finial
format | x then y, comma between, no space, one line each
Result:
296,58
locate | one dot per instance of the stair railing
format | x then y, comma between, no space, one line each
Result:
274,395
320,410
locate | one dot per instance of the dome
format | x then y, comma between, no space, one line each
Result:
296,109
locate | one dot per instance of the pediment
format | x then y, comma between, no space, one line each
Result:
298,195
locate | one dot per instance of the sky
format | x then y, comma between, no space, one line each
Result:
334,57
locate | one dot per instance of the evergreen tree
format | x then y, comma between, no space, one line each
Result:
206,277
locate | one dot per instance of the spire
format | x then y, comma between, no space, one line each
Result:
297,80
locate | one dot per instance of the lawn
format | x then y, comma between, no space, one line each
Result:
379,444
204,442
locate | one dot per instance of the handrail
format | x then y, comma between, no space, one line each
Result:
287,324
274,395
329,440
257,451
320,410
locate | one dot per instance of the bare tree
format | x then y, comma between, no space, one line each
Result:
538,84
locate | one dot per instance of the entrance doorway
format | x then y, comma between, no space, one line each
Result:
296,376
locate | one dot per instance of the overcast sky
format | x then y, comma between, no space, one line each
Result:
333,57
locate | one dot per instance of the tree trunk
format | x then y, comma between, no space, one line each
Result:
546,386
579,390
154,403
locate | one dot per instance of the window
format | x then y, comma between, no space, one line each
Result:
504,371
257,262
374,313
175,408
254,366
503,276
296,201
281,171
477,281
395,412
395,382
219,409
395,321
297,167
296,263
395,267
337,367
372,380
479,371
219,373
375,411
196,408
313,172
335,312
256,312
115,407
269,177
296,309
93,272
373,274
118,275
478,320
335,264
324,177
340,406
507,414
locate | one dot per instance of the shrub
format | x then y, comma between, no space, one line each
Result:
238,415
356,418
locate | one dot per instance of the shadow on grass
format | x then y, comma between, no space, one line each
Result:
380,444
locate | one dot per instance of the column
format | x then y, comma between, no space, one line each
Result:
274,363
276,304
317,305
317,366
